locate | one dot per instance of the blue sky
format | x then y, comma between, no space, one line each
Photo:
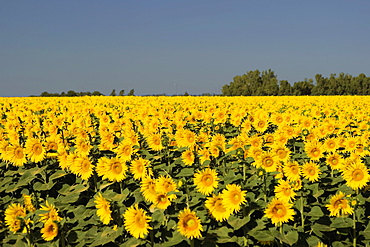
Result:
159,46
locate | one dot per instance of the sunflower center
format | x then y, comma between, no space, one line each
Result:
358,175
279,210
140,221
334,161
37,149
140,168
127,150
339,203
268,162
19,153
281,154
157,141
190,223
219,207
53,146
236,197
207,180
312,171
117,168
315,152
331,145
294,170
85,166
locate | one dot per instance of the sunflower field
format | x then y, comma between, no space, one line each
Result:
185,171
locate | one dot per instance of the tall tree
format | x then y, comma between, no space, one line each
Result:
131,93
113,93
122,92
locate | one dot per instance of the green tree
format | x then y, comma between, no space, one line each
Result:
122,92
303,87
113,93
285,88
131,93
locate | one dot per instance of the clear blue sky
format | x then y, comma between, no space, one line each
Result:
157,46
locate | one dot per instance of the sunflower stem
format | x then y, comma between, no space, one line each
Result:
281,233
152,238
301,210
192,242
244,170
354,229
265,185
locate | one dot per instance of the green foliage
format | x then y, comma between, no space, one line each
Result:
256,83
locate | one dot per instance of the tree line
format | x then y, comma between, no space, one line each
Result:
72,93
256,83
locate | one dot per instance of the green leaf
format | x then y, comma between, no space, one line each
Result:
158,216
57,174
366,232
262,235
316,212
341,222
174,240
236,222
186,172
291,237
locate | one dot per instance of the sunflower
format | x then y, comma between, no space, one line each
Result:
292,171
279,211
12,214
28,203
311,171
138,168
267,161
339,205
282,152
217,209
335,161
204,155
330,144
188,157
189,224
125,150
15,155
52,213
148,189
103,207
155,142
233,197
356,174
83,147
49,231
34,150
82,167
113,169
314,150
206,181
163,200
284,191
136,221
165,184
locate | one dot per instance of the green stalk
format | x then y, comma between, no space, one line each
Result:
354,229
301,210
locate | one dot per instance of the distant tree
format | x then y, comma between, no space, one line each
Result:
131,93
186,93
71,93
122,92
303,87
63,94
45,94
96,93
285,88
113,93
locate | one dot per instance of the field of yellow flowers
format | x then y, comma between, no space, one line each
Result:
185,171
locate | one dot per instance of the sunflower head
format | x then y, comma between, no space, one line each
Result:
189,224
